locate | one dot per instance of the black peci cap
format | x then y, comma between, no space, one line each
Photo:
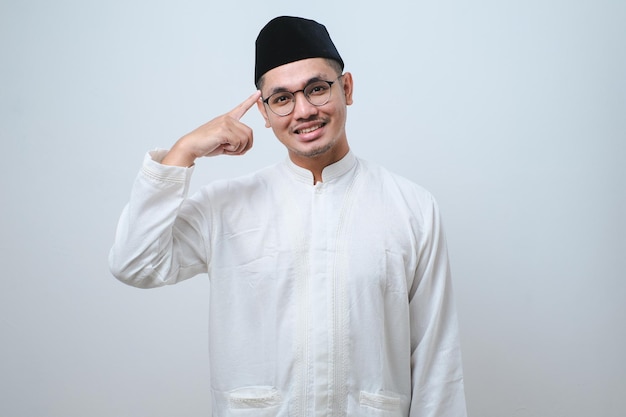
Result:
288,39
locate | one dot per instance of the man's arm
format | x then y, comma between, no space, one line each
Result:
149,250
437,374
160,235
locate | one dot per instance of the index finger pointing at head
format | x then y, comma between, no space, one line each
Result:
243,108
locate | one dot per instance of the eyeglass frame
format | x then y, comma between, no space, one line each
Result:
293,93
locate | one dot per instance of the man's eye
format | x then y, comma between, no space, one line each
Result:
280,99
317,89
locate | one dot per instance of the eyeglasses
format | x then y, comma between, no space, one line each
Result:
317,93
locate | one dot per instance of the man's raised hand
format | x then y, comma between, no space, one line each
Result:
224,135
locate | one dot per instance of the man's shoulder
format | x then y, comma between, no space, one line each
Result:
391,181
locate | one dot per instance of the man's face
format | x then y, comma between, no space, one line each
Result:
310,133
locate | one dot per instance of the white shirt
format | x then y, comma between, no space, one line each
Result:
331,299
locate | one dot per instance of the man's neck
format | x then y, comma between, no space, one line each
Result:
316,164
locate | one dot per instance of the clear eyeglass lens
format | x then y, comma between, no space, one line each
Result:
317,93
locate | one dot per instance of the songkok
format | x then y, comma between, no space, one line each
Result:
288,39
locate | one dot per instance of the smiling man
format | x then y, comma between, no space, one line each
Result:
330,285
312,128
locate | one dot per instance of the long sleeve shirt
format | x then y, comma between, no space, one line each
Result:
326,299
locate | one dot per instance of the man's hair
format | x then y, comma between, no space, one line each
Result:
335,65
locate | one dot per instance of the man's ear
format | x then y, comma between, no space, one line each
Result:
263,111
348,87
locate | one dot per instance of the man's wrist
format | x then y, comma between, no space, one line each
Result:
178,157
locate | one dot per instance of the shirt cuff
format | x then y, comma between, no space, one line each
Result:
153,168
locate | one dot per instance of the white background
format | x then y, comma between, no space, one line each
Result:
513,113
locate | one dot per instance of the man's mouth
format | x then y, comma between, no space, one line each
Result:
304,131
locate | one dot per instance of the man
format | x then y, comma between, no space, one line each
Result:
330,287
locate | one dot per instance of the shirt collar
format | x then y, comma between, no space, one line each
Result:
329,173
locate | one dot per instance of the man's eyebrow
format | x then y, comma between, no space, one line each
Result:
278,90
281,89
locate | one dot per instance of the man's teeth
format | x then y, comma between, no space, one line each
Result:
309,130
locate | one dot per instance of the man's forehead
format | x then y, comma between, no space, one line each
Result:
298,74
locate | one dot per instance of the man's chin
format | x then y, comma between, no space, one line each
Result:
314,152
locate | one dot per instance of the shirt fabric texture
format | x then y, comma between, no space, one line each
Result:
327,299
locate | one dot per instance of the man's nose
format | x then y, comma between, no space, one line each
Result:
302,108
